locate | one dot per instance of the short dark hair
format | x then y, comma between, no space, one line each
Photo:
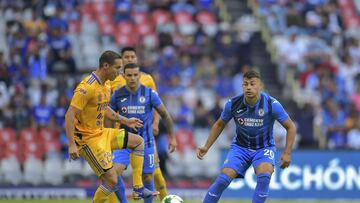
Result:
252,74
123,50
130,66
108,57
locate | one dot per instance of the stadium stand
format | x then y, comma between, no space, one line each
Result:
196,54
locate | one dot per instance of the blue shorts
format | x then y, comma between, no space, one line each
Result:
123,157
240,158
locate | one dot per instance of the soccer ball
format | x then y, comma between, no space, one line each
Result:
172,199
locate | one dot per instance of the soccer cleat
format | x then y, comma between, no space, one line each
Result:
141,193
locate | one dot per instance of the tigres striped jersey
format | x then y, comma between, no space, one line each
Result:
92,98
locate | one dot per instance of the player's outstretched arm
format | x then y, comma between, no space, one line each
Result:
130,122
70,128
290,138
216,129
168,122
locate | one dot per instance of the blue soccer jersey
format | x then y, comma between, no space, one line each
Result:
140,105
254,124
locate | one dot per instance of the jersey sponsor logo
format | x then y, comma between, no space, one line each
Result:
123,99
124,109
261,112
142,99
251,122
136,109
240,110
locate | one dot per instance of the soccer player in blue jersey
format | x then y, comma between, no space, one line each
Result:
254,113
138,101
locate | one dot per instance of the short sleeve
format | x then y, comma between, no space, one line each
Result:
278,111
112,104
150,83
82,94
155,99
226,113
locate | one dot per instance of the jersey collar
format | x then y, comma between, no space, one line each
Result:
96,77
257,102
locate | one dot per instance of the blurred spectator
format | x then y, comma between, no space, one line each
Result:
200,116
4,73
60,55
18,112
348,70
42,114
291,55
355,97
305,121
59,112
214,113
334,125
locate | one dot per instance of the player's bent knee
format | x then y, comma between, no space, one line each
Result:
230,172
264,168
147,177
119,168
135,141
110,178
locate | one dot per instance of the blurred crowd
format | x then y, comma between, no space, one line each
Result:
197,61
192,54
318,59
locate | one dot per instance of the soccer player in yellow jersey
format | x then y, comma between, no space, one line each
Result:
129,56
88,137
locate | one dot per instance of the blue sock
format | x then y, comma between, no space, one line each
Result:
149,185
120,193
262,188
216,189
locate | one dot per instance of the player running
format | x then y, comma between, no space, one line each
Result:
254,113
87,135
136,100
129,56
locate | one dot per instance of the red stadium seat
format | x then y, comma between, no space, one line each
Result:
104,18
52,146
125,40
7,135
74,26
31,149
125,28
139,17
184,139
10,149
107,28
102,7
28,134
161,16
205,18
48,134
183,18
145,29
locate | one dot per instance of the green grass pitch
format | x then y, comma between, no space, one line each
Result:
221,201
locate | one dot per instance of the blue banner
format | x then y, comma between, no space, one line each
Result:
312,174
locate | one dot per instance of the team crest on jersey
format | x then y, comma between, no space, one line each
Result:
124,109
261,112
82,91
142,99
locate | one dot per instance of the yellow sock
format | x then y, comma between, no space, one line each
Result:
137,161
113,198
102,194
160,183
